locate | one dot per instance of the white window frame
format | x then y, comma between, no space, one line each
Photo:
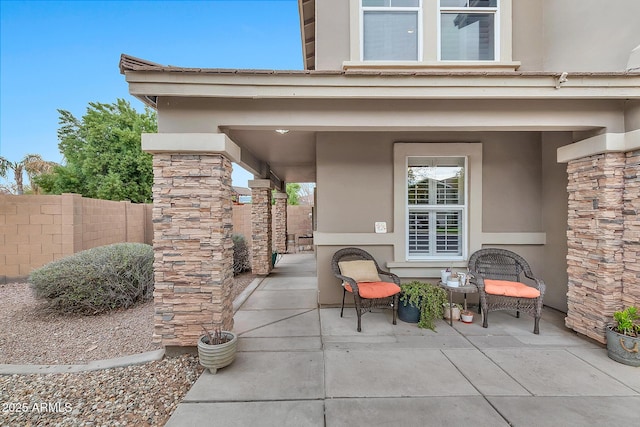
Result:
472,151
420,19
434,208
495,11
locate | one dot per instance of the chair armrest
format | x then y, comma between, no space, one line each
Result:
350,281
393,277
476,279
539,284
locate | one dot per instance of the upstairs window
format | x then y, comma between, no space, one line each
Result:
468,30
436,207
391,30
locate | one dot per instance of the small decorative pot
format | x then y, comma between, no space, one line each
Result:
454,313
444,275
214,357
466,317
623,348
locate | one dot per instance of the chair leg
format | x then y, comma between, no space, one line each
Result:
395,308
536,325
344,293
485,320
356,301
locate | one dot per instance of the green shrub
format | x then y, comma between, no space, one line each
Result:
241,262
97,280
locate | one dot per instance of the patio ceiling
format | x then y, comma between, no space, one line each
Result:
291,156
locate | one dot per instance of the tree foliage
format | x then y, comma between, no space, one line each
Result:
292,193
33,164
103,157
293,197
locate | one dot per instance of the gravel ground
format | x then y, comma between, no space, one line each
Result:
144,395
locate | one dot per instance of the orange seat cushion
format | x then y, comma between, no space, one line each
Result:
510,289
375,289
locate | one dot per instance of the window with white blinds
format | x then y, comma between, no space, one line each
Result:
468,30
390,30
436,206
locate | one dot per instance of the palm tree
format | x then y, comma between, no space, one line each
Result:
32,164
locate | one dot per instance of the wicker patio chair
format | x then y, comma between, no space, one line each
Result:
494,272
369,291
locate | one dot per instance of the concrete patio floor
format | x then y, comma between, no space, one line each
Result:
298,365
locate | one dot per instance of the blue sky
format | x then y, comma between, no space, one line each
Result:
64,54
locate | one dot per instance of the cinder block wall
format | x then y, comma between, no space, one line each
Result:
299,220
35,230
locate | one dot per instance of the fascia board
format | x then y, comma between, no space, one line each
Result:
381,87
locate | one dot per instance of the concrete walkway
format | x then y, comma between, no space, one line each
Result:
302,366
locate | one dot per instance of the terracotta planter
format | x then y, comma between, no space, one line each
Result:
623,348
214,357
466,317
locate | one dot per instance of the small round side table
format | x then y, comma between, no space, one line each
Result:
467,289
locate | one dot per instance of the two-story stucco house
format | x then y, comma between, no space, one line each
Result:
460,124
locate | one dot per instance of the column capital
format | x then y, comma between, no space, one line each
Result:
191,143
260,183
279,195
599,144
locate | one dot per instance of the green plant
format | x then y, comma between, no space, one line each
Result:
628,321
428,298
96,280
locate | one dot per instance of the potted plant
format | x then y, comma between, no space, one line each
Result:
466,316
217,350
623,339
451,312
422,301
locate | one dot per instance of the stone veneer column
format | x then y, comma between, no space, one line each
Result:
192,222
261,233
594,236
280,229
631,234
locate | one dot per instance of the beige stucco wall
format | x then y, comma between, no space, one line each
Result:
547,35
605,31
632,115
332,34
207,114
355,180
554,219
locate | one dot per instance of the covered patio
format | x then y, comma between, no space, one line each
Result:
551,173
300,365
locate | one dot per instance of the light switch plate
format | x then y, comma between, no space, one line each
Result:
381,227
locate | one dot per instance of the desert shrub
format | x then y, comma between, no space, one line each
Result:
241,262
96,280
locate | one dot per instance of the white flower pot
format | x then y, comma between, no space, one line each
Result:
466,317
454,313
214,357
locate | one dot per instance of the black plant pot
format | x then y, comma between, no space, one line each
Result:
408,312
